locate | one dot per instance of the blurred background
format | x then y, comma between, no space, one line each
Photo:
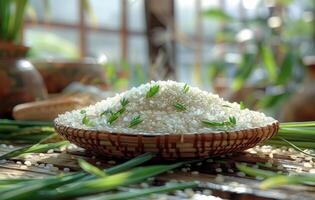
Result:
261,52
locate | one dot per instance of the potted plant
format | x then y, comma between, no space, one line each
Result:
19,80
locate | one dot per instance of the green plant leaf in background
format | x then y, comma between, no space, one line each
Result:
245,68
17,19
217,14
268,60
271,102
286,69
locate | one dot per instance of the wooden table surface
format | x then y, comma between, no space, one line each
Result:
216,176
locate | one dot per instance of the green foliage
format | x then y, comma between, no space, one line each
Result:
268,60
36,148
273,179
229,123
91,169
179,106
123,75
217,14
286,69
152,91
135,121
11,18
246,67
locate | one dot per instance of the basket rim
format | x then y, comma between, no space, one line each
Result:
57,125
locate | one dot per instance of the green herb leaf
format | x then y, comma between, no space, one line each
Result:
121,110
83,111
135,121
91,168
242,105
124,102
185,88
209,123
86,121
179,106
108,111
231,122
152,91
113,117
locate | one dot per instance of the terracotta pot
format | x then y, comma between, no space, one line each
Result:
58,74
19,80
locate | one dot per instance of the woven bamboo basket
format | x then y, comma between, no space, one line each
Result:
166,147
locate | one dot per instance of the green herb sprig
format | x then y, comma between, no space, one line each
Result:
135,121
124,102
85,120
231,122
152,91
106,112
180,107
113,116
185,88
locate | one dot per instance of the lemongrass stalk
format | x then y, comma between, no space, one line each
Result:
298,130
297,124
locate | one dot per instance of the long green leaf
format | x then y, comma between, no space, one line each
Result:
286,68
245,68
37,148
277,181
18,18
145,192
130,164
254,172
297,124
28,191
268,61
24,123
109,182
91,168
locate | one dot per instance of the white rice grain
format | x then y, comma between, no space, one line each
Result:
159,115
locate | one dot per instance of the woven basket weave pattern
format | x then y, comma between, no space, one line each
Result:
168,147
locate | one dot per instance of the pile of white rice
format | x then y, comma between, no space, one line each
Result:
159,116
